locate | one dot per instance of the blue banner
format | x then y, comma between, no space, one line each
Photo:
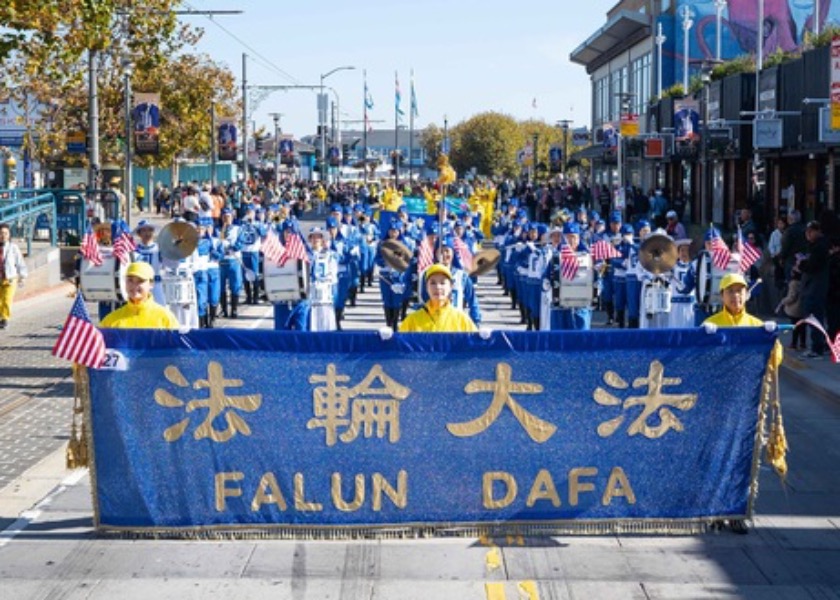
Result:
236,429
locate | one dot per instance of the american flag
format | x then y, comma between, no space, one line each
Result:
602,250
568,262
80,341
464,254
749,253
720,253
295,250
272,248
123,247
90,247
425,255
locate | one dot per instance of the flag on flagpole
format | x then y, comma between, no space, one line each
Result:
123,242
602,250
414,112
464,254
568,262
368,98
749,253
534,103
397,95
425,256
272,248
80,341
90,247
720,253
295,250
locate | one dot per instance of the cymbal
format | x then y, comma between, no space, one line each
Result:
177,240
485,261
396,254
658,253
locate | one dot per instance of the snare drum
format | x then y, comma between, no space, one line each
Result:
178,288
287,283
577,292
105,282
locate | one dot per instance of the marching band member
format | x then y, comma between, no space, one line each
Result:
634,286
619,272
230,265
682,290
608,285
184,308
463,294
561,317
353,240
392,285
199,272
147,250
704,271
338,245
317,313
250,234
369,230
438,315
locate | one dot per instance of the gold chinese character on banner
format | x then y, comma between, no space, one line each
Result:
218,404
502,388
375,406
655,401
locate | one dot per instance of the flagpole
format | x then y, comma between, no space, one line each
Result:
365,126
411,129
396,135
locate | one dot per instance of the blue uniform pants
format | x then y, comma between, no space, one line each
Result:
231,272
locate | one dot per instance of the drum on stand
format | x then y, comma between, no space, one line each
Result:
105,282
576,292
178,288
287,283
656,303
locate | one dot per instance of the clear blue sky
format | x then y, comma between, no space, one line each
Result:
468,56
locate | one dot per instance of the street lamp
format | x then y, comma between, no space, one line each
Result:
719,6
660,40
564,125
128,69
687,23
322,116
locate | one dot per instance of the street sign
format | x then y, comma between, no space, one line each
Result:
767,133
827,134
654,148
76,142
719,133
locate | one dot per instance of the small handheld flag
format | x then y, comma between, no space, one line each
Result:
80,341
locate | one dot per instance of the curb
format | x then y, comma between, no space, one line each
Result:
798,373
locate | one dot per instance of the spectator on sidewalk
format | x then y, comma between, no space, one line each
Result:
674,228
794,241
814,269
774,249
12,273
791,306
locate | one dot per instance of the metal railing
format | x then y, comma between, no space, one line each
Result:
21,209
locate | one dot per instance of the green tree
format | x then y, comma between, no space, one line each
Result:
430,140
487,142
45,49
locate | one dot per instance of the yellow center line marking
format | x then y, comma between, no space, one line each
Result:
528,590
495,591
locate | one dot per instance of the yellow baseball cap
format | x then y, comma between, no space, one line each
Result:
731,279
437,269
141,270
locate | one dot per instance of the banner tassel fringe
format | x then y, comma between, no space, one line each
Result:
77,455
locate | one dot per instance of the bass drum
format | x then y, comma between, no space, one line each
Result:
577,292
287,283
105,282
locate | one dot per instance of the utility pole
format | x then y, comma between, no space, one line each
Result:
244,119
276,117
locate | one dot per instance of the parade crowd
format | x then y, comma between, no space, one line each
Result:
559,254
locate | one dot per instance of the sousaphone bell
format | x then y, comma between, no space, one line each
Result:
177,241
396,254
658,254
485,261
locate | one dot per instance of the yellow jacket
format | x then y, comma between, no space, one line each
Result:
724,318
143,315
434,319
